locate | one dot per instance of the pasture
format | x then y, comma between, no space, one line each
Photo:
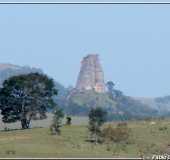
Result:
146,138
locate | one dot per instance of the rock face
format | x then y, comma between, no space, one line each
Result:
91,76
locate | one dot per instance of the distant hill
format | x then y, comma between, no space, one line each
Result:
4,66
135,109
9,70
161,104
120,108
147,101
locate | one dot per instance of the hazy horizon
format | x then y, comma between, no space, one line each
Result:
131,40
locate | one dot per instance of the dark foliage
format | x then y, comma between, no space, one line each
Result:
24,96
69,119
118,134
57,121
97,116
127,107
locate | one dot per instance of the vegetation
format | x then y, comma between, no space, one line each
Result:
69,119
97,117
9,70
112,92
127,107
145,140
118,105
57,121
117,134
23,97
80,103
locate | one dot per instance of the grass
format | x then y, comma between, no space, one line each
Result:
76,120
145,139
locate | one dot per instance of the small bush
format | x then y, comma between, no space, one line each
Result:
10,152
57,121
97,117
69,120
163,128
119,134
54,129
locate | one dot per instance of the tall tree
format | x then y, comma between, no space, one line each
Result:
57,121
24,96
97,116
112,92
110,87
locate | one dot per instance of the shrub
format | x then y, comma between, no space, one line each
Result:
163,128
97,117
69,120
119,134
57,121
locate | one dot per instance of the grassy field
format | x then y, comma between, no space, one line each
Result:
146,138
44,123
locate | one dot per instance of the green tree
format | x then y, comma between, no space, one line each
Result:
97,117
24,96
57,121
110,87
112,92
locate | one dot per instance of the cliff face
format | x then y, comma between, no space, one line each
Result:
91,76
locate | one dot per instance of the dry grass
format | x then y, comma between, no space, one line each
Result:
146,139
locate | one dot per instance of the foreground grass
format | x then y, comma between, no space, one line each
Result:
145,139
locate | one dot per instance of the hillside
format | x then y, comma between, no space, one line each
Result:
119,108
161,104
8,70
80,103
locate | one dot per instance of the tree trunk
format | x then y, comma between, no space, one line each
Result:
96,139
25,123
26,119
95,135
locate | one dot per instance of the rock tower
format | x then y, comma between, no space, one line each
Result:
91,76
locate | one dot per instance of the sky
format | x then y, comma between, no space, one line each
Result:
133,42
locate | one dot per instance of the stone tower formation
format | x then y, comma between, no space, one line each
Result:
91,76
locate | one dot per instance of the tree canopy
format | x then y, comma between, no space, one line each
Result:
57,120
24,96
97,117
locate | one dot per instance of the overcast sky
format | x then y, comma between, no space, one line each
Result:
133,42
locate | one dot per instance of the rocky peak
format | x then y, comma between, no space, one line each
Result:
91,76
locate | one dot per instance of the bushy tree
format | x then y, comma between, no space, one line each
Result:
110,85
24,96
97,117
112,92
57,121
